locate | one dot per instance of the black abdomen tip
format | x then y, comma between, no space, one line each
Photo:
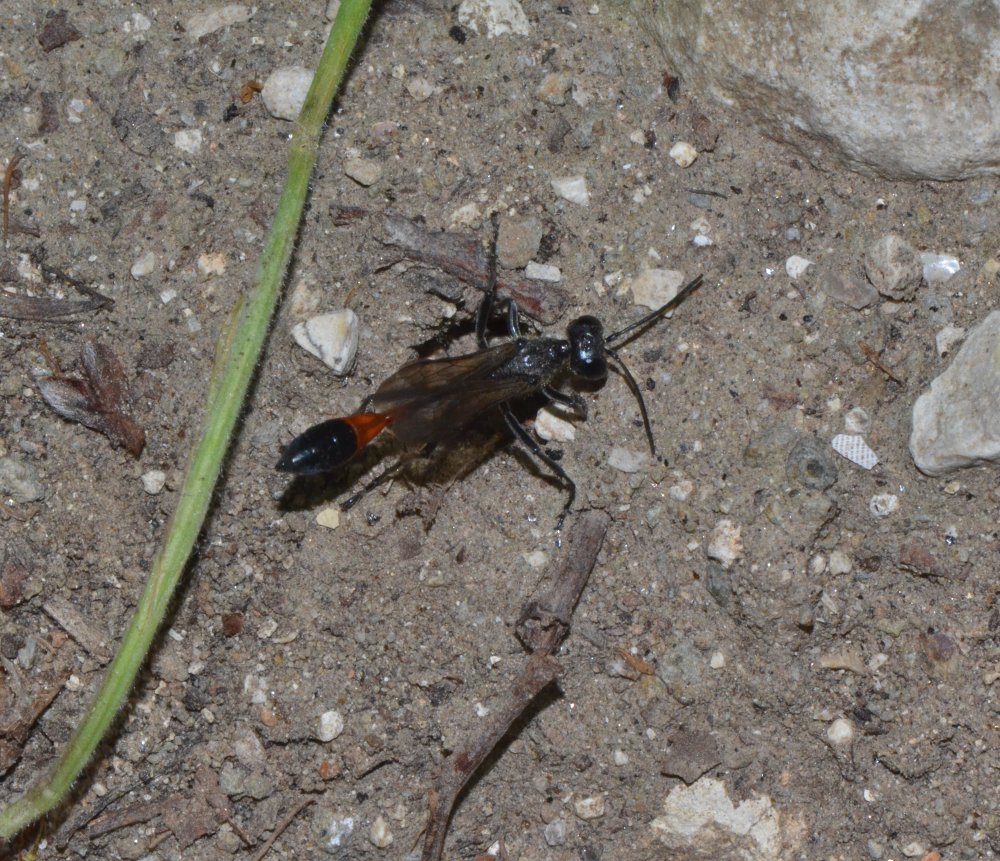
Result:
320,449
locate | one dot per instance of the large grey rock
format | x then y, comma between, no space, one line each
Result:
957,422
904,88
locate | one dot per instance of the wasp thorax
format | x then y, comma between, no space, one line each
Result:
586,339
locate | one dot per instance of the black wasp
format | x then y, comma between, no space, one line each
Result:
429,401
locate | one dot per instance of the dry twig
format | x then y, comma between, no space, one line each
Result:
543,625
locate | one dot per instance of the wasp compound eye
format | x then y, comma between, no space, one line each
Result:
586,338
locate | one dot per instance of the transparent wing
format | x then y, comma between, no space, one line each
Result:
432,399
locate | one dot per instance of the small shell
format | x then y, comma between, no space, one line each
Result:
855,449
332,338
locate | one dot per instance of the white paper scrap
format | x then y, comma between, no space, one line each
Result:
855,449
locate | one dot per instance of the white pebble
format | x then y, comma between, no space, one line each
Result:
840,731
683,154
212,263
363,171
619,757
726,543
795,266
499,17
626,461
331,725
552,428
536,558
285,90
653,288
143,266
467,215
573,189
555,832
855,449
840,563
204,23
332,338
380,836
947,338
883,504
167,296
938,268
420,89
717,661
591,807
328,518
543,272
154,481
857,420
188,140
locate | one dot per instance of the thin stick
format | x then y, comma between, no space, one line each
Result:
280,829
543,625
228,396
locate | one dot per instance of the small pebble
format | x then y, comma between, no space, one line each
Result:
683,154
285,91
726,543
619,757
947,339
143,265
379,835
717,661
893,267
554,87
154,481
555,832
420,89
883,504
332,831
19,481
551,428
498,17
188,140
938,268
857,421
543,272
840,563
467,215
591,807
518,242
200,25
573,189
331,725
212,263
796,266
363,171
914,849
536,558
332,338
852,291
654,288
840,732
810,464
328,518
626,461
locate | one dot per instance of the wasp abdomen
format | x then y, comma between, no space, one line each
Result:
330,444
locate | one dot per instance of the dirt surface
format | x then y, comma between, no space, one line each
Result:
838,677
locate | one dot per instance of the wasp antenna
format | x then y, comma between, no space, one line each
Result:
634,386
682,294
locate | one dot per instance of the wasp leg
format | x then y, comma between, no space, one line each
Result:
521,433
387,474
565,399
513,327
486,306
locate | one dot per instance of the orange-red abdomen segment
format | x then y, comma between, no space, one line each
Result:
328,445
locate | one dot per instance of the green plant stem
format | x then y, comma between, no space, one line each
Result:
231,379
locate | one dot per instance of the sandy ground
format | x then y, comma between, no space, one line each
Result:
835,678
